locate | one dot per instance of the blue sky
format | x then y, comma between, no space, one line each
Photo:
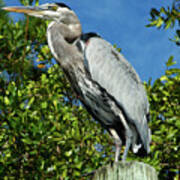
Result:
122,22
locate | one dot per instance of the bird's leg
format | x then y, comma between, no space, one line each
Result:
128,136
127,146
118,149
118,143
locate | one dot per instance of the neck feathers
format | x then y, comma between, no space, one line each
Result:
68,32
59,36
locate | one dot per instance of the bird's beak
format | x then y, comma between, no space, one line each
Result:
30,10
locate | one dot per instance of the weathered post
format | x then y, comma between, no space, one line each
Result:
126,171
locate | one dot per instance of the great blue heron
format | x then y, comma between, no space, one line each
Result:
106,83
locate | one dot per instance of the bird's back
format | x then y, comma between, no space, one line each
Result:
115,74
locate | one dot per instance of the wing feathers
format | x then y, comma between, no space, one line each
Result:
115,74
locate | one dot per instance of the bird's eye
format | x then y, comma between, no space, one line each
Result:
53,8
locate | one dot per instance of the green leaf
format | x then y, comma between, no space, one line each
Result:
164,78
37,3
27,141
162,10
159,22
6,100
68,153
170,61
44,105
168,24
154,12
31,101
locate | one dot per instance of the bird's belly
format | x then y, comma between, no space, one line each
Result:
98,102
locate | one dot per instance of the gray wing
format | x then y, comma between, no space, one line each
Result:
115,74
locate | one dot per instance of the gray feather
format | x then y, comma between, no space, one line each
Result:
115,74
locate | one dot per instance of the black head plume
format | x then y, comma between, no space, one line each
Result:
63,5
85,37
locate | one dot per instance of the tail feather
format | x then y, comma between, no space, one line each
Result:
141,145
136,148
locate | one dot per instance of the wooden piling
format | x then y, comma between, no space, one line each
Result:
126,171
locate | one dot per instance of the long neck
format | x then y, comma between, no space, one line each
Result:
67,54
59,36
